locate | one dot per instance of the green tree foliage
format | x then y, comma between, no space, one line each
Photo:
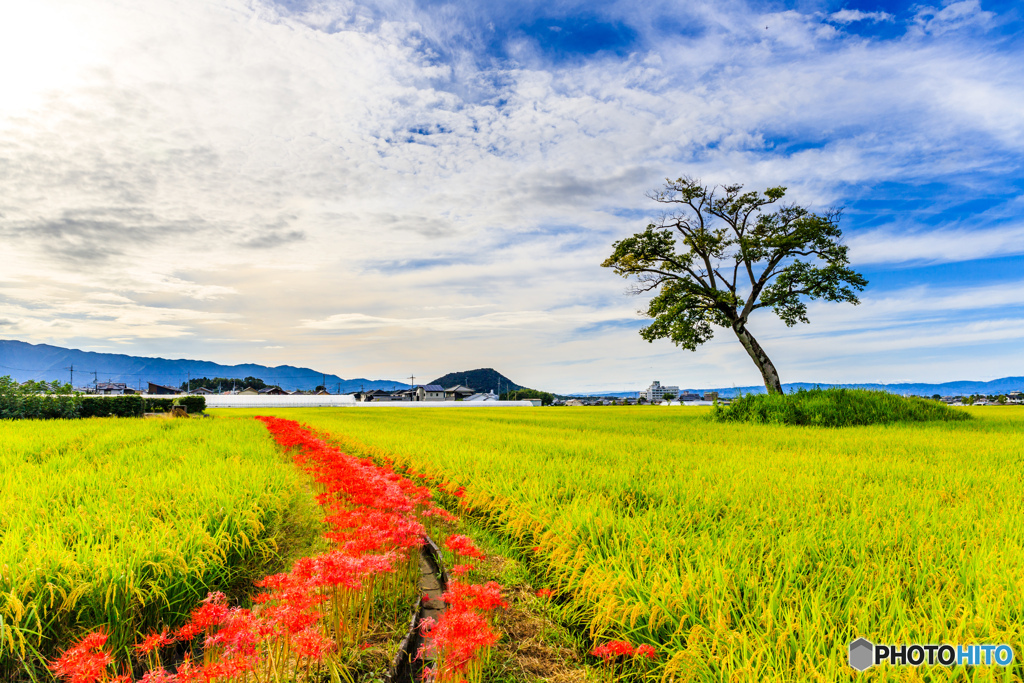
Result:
719,254
546,398
37,400
225,383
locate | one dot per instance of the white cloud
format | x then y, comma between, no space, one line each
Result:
849,16
231,170
943,245
955,15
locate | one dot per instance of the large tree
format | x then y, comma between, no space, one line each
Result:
718,254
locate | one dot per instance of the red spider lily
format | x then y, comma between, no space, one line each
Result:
613,649
153,642
426,625
460,635
189,672
210,613
232,667
544,593
483,597
645,651
158,676
309,643
463,545
85,662
240,634
187,632
460,569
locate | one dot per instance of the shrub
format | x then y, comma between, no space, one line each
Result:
833,407
193,404
158,405
129,405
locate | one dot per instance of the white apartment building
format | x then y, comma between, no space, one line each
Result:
656,391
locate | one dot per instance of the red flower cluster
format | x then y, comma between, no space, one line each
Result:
372,514
614,649
86,662
463,634
544,593
463,546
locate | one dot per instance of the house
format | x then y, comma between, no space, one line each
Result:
113,388
248,391
459,392
201,391
376,395
272,391
421,392
574,402
160,389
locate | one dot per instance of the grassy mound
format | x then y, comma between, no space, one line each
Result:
833,408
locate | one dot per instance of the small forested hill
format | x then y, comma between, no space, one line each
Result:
482,379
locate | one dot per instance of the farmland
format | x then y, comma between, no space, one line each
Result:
741,552
125,524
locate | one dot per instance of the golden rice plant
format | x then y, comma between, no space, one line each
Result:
126,524
741,552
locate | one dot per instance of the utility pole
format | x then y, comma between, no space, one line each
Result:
412,380
72,369
95,380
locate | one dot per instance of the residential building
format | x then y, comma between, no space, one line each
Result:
420,392
160,389
113,388
656,391
459,392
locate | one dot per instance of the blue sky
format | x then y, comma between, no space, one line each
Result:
393,187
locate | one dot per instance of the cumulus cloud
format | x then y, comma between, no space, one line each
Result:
319,169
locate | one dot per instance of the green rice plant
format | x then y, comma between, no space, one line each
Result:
741,552
126,524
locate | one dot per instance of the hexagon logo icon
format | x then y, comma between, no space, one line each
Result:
862,654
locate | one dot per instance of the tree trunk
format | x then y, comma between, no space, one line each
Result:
760,358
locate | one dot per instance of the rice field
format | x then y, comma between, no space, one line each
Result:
126,524
740,552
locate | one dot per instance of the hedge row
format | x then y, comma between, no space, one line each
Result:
40,400
133,405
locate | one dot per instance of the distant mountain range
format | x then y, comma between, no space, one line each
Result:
23,361
959,388
483,379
